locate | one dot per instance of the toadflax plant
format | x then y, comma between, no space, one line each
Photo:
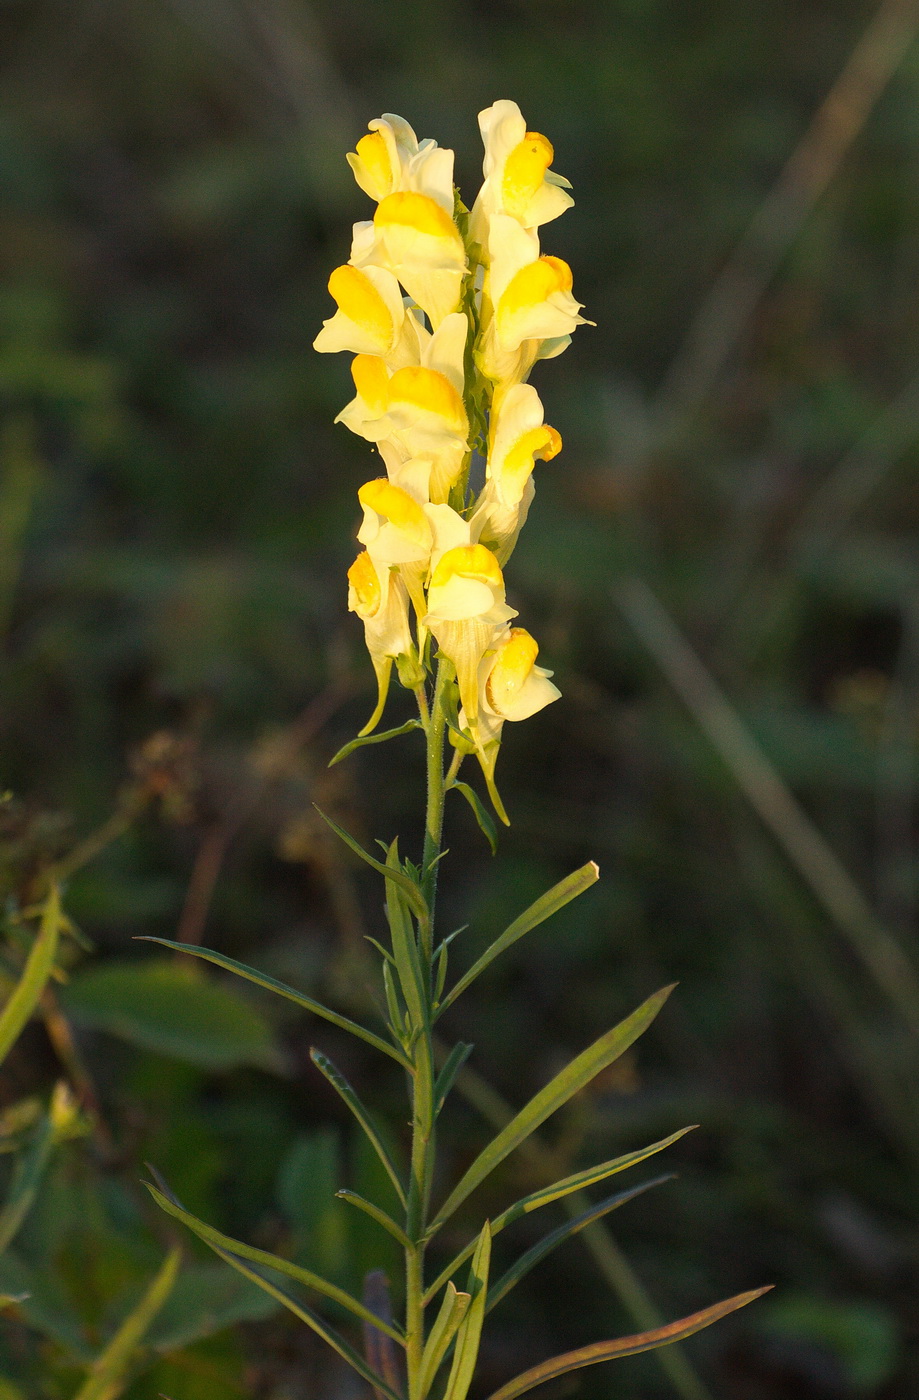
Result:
446,312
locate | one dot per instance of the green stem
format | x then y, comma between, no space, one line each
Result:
434,820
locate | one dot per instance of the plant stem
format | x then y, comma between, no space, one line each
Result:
434,819
423,1077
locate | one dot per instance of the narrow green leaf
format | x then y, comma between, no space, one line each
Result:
396,1014
447,1077
361,740
108,1375
535,1256
579,1181
410,889
313,1320
452,1311
341,1086
38,968
564,1086
486,825
469,1334
404,947
623,1346
270,984
543,908
376,1214
224,1244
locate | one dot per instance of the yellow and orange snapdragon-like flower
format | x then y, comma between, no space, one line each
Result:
446,314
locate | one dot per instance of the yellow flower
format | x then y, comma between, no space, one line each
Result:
518,437
417,412
518,180
416,239
466,610
379,598
371,318
510,687
391,159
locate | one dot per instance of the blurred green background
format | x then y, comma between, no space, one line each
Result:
734,508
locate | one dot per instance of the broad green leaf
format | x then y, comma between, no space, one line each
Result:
486,825
38,968
341,1086
411,891
376,1214
224,1245
452,1311
535,1256
270,984
108,1375
447,1077
623,1346
469,1334
165,1007
543,908
61,1121
564,1086
579,1181
206,1299
361,740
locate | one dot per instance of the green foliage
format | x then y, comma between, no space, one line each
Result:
163,1007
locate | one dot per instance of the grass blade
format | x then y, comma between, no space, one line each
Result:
535,1256
564,1086
623,1346
590,1176
341,1086
469,1334
224,1244
452,1311
376,1214
543,908
361,740
411,891
108,1374
25,995
271,984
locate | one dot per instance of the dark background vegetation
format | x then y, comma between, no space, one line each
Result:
177,512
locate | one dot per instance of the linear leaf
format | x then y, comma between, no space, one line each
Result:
107,1376
447,1077
312,1319
361,740
543,908
535,1256
486,825
378,1348
341,1086
564,1086
404,947
25,995
623,1346
375,1213
412,892
546,1194
452,1311
271,984
223,1244
470,1331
